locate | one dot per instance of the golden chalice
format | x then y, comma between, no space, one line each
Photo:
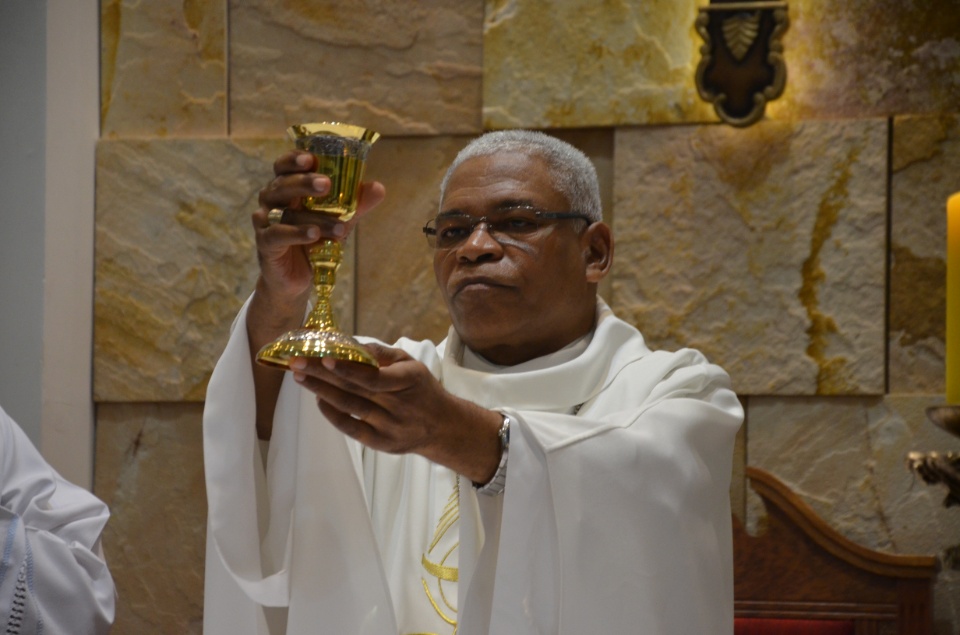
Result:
341,152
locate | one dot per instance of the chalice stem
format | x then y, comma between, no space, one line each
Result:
319,336
325,259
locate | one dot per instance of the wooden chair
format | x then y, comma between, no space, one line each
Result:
801,576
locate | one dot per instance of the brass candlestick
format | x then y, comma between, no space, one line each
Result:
341,152
937,467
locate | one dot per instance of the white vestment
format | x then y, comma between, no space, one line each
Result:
53,578
615,517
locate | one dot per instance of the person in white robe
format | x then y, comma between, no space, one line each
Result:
541,470
53,577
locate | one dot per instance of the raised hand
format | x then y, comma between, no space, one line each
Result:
283,287
281,247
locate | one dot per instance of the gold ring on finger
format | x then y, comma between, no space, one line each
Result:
275,216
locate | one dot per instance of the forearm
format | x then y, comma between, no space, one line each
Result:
472,450
267,319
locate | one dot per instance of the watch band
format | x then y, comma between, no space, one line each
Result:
494,487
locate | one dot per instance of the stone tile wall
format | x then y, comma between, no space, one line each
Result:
805,254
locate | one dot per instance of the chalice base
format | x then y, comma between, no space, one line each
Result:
313,343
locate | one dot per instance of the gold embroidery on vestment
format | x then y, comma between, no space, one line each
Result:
448,574
439,570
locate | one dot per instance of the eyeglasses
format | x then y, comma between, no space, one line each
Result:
520,224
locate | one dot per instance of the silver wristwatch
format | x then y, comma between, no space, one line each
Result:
494,487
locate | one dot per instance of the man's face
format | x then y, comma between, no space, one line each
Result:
517,300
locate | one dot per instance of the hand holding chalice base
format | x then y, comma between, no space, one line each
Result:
341,152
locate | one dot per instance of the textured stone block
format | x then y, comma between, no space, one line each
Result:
396,289
162,68
397,67
175,259
844,59
397,293
846,458
579,62
763,247
585,63
597,144
149,470
926,171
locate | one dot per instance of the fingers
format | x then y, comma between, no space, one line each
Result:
361,430
261,222
372,194
359,389
354,428
390,377
387,409
327,226
344,400
294,161
289,190
359,417
355,377
295,179
276,240
386,355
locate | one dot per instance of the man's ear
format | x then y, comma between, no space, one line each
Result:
597,242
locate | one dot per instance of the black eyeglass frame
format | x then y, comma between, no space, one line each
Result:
540,214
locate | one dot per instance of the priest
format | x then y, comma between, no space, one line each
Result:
53,576
541,470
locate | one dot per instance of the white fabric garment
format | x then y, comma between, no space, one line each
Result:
53,578
615,517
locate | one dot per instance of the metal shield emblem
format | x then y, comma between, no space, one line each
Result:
741,61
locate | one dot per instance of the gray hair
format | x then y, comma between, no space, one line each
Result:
571,172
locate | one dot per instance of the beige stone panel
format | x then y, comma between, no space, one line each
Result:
580,62
397,292
845,457
175,259
870,58
597,144
395,66
149,470
585,63
763,247
926,171
162,68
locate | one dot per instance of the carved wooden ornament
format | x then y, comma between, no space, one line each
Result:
741,61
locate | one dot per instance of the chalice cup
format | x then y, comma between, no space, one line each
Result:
341,152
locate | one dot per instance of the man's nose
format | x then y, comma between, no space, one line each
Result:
480,244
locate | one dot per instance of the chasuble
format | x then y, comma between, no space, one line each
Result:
615,516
